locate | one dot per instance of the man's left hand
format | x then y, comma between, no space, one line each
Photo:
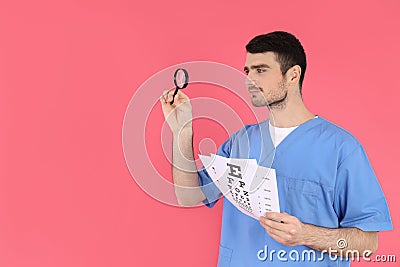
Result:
284,228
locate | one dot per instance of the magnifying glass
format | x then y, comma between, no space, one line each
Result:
181,80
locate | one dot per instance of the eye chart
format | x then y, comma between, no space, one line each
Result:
249,187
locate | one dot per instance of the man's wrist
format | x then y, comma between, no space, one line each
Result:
308,235
183,132
319,238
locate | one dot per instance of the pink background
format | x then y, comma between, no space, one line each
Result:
68,70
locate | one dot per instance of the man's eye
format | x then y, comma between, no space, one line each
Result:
260,70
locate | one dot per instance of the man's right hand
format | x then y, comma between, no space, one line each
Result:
179,114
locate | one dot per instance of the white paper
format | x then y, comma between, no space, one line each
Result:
249,187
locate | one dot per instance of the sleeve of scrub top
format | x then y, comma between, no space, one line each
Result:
210,190
359,200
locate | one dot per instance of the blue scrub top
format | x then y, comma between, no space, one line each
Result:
324,178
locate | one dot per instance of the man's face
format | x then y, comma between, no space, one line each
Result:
265,82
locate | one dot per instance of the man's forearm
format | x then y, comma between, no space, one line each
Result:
343,240
184,169
290,231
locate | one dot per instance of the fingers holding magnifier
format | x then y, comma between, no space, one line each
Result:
167,96
181,96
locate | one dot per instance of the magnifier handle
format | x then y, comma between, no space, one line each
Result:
173,96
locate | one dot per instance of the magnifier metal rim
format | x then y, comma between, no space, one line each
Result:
186,78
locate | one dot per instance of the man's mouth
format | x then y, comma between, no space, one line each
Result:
253,89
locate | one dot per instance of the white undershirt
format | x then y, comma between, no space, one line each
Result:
278,134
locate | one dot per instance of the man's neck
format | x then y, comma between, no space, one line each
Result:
293,114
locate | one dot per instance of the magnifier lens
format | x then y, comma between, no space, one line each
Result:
181,78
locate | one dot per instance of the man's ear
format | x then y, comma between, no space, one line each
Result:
293,75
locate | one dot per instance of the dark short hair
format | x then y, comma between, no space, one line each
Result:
286,47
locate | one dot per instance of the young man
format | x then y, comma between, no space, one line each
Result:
331,200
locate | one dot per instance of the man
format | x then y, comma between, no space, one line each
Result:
330,199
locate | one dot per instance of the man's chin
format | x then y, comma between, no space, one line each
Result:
258,102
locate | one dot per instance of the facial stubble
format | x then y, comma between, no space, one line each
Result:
277,100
